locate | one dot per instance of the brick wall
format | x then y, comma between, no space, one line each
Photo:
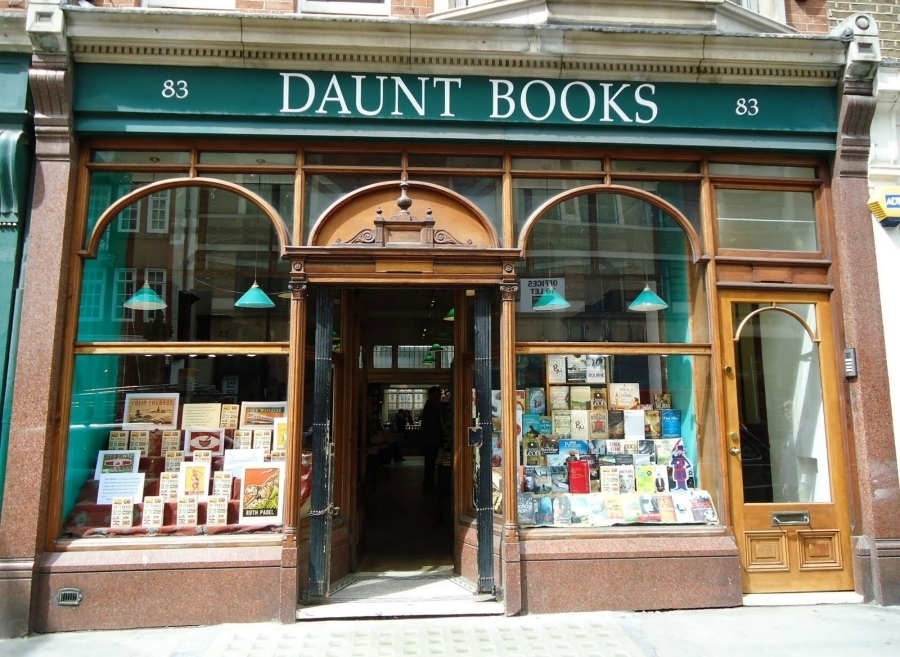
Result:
887,16
808,16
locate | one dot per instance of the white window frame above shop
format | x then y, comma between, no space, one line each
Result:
190,4
156,279
158,212
340,7
124,286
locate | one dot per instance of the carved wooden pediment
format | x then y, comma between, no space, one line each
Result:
403,230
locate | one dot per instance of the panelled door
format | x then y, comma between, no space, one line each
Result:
783,442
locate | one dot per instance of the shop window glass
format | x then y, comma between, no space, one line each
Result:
616,439
556,164
454,161
683,195
324,189
761,171
249,159
529,193
109,186
766,220
141,157
483,191
217,244
276,189
359,159
416,357
139,422
599,252
646,166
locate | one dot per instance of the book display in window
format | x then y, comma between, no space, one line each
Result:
170,459
604,452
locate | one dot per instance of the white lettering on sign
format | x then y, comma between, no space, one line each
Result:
746,107
310,95
533,288
175,89
892,200
447,82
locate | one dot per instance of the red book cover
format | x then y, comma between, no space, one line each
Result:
579,477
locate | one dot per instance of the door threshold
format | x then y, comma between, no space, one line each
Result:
396,594
799,599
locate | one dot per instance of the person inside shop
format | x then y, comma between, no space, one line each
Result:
432,434
398,426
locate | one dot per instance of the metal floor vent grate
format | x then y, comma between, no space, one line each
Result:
69,597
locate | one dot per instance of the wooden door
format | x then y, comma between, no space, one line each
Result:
783,442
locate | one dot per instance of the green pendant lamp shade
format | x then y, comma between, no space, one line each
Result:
435,347
550,300
145,299
429,358
647,301
450,316
444,336
254,298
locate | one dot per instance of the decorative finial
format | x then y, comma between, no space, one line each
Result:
404,202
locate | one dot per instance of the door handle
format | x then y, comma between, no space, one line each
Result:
734,451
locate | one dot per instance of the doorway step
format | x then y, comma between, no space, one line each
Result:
394,594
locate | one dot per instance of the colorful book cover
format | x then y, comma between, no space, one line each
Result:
666,508
118,440
662,400
117,462
152,512
533,454
660,479
559,479
652,425
262,439
626,478
647,447
597,507
595,369
614,508
549,444
262,494
649,508
546,425
702,507
531,423
186,514
581,510
193,480
645,478
615,446
631,507
579,428
609,479
670,423
562,510
579,398
559,398
576,368
543,515
562,422
682,503
597,424
243,438
542,480
556,369
616,423
624,396
579,477
630,446
664,449
210,438
537,403
572,448
598,398
521,401
217,510
526,508
596,448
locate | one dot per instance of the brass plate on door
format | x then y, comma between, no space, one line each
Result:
790,518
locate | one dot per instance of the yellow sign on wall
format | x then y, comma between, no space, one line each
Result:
885,205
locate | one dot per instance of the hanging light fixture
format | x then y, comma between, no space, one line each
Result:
551,299
145,299
450,316
429,358
255,297
444,336
435,347
647,301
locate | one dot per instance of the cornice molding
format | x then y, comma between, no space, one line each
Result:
397,46
12,33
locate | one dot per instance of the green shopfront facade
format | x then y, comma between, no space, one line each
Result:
721,187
